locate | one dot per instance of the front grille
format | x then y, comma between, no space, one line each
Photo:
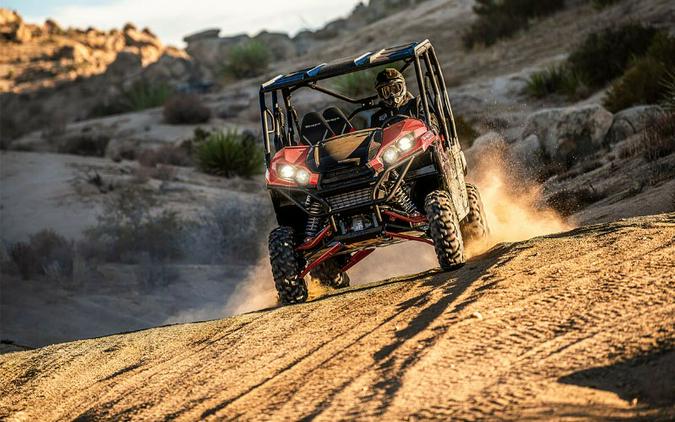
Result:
346,174
350,199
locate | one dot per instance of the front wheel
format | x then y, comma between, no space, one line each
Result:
286,266
444,230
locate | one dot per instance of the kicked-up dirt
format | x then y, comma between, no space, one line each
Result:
576,325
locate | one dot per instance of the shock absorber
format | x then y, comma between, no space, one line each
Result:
401,197
313,223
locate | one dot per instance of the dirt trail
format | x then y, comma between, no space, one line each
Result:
573,325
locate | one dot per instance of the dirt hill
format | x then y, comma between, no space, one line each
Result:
572,325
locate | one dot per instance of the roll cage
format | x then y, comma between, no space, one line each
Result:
280,120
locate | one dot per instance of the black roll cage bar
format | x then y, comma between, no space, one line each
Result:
283,125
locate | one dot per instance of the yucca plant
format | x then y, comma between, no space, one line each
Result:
248,60
229,154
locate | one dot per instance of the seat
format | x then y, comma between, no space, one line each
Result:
336,119
314,129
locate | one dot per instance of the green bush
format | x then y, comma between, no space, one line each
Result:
501,19
357,84
553,80
639,85
647,79
141,95
229,154
604,55
248,59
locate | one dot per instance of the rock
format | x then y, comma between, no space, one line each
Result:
570,132
631,121
52,27
125,64
280,45
12,27
527,152
485,145
202,35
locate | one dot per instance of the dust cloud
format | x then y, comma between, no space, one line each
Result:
514,212
514,205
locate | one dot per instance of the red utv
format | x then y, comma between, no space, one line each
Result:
340,191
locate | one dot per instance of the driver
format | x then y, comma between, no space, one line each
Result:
396,100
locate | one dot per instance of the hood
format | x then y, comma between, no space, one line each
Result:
349,150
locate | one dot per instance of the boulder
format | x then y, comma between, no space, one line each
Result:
486,145
631,121
279,45
202,35
571,132
527,152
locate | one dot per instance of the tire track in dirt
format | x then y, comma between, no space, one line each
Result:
511,335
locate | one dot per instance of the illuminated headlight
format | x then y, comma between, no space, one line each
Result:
390,155
302,176
287,171
405,143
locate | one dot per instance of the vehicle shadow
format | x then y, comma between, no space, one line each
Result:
646,380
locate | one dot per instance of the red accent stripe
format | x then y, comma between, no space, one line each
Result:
396,216
326,255
356,258
311,244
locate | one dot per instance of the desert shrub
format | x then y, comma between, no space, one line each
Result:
639,85
357,84
46,252
85,144
465,131
233,231
668,82
604,55
248,59
166,154
186,109
558,79
502,19
648,78
141,95
658,139
229,154
130,229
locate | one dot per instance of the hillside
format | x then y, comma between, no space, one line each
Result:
572,325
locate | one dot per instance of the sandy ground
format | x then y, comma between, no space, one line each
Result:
576,325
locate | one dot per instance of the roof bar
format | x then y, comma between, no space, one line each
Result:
271,81
361,60
315,70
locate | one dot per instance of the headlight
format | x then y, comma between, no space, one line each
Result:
287,171
390,155
405,143
302,176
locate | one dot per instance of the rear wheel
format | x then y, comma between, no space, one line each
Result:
286,266
444,230
474,226
328,273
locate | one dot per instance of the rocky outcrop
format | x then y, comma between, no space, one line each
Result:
571,132
630,121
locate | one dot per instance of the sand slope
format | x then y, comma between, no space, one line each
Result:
578,324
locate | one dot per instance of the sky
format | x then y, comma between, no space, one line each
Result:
172,20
